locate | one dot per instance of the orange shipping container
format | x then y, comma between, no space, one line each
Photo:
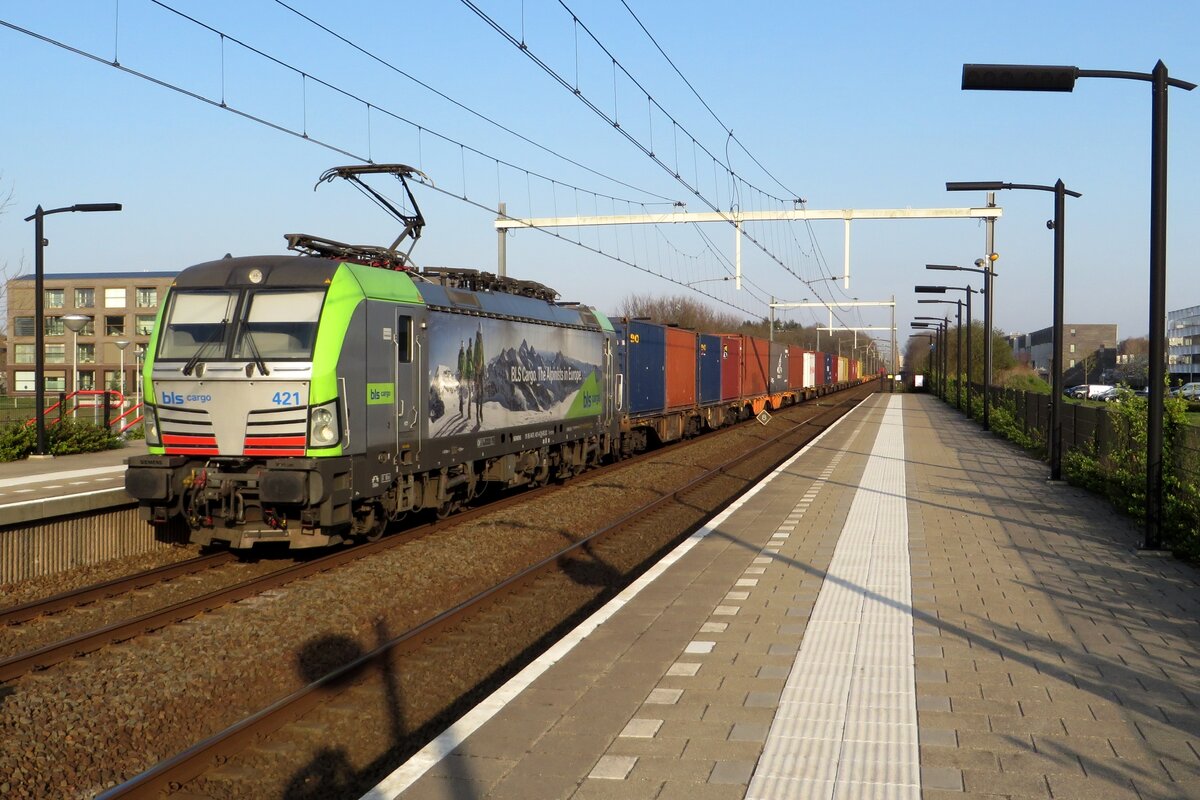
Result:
756,371
681,368
795,367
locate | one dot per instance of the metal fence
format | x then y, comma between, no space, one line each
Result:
1087,427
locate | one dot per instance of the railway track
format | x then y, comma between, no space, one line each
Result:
102,591
572,582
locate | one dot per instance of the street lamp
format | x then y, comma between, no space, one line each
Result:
957,347
933,339
39,309
121,345
1046,78
76,322
968,291
1059,226
942,325
983,267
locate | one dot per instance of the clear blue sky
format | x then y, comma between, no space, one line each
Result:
849,105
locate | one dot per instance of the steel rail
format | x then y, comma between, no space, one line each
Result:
173,773
112,588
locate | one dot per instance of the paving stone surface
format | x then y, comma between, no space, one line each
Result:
1047,659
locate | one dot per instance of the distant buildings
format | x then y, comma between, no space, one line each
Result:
1089,350
120,307
1183,345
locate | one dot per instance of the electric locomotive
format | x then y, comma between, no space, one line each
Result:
311,399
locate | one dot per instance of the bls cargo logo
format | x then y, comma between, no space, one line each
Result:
176,399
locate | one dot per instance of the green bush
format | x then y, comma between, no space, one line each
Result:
71,436
18,440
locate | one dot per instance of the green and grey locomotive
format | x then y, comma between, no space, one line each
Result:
311,399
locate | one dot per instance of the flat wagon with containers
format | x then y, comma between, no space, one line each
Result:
310,400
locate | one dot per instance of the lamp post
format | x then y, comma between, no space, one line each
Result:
138,355
1059,226
39,308
76,322
957,349
968,291
1046,78
943,326
932,338
987,321
121,345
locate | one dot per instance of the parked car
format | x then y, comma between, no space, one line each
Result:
1189,391
1088,391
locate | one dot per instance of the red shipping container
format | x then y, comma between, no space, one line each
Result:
682,376
731,366
756,372
795,367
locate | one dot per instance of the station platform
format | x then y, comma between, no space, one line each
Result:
906,609
37,488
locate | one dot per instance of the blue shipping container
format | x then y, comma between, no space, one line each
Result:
828,379
645,367
708,360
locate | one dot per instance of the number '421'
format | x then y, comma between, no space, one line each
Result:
286,399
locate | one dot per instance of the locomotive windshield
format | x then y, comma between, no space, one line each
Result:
196,322
265,325
279,325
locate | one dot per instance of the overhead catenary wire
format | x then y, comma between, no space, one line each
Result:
693,187
300,134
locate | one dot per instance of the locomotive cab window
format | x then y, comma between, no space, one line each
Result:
279,325
404,340
196,322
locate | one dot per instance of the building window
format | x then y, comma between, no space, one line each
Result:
56,354
85,298
23,326
27,381
54,326
143,324
114,298
147,298
54,298
1072,348
114,325
86,353
1072,364
89,328
23,353
112,380
87,379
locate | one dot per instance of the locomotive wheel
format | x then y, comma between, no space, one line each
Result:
447,508
372,526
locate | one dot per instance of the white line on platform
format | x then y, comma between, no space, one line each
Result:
61,476
410,771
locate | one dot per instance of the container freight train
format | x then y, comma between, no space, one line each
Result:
310,400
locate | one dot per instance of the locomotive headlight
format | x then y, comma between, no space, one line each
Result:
323,425
150,425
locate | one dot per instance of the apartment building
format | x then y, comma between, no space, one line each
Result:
119,308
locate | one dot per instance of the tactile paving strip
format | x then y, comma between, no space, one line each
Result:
846,727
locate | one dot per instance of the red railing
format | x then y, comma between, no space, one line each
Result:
93,399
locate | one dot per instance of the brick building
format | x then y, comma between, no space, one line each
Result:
120,307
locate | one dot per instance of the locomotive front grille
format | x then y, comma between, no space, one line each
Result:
276,432
187,431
